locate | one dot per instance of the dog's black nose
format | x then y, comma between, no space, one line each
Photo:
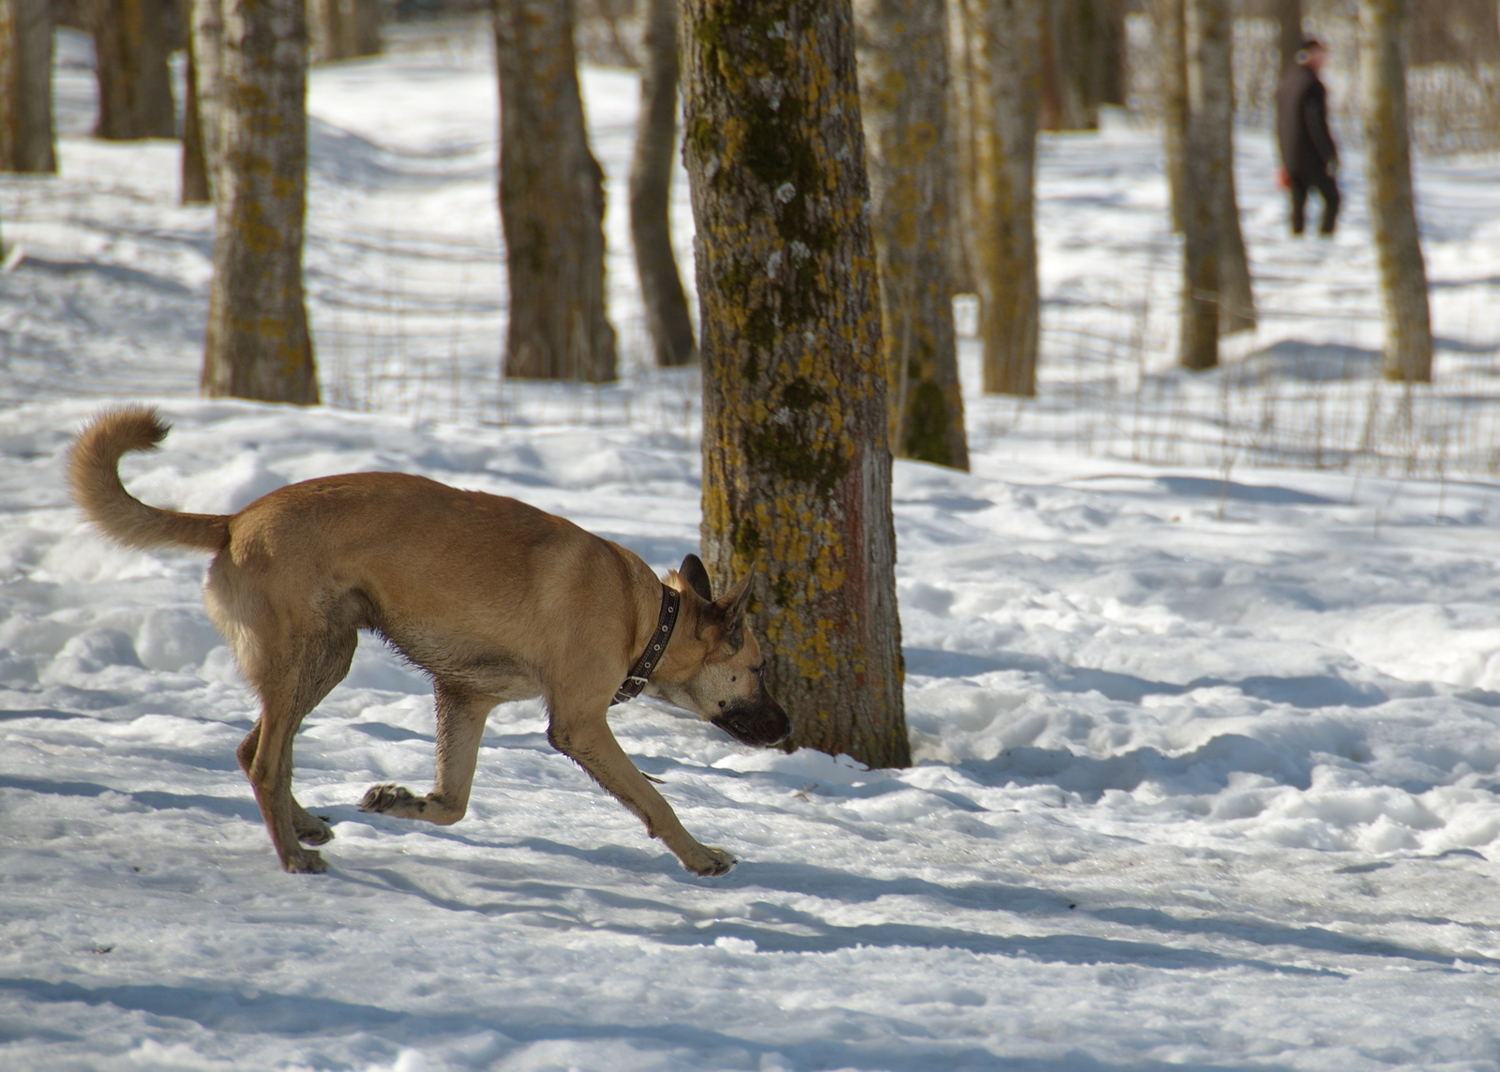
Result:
755,722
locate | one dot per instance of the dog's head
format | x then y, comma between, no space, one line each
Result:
714,665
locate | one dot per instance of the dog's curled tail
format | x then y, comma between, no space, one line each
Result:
93,474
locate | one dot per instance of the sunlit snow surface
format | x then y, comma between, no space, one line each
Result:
1208,755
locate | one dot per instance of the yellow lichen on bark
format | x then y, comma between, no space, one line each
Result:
790,344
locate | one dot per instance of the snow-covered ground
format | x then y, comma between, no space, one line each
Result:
1209,754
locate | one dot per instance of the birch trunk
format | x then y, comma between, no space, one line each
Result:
796,470
1393,216
668,322
253,89
551,201
27,143
130,64
1006,37
903,64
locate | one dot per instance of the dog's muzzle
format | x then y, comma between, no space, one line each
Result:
759,722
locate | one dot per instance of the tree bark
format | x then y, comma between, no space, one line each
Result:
668,322
1114,68
194,172
1393,216
253,88
344,29
1203,40
1083,44
1211,87
960,115
130,64
903,65
1289,34
27,143
1007,36
551,201
796,470
1216,294
1171,74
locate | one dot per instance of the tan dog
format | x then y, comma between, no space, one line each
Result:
493,598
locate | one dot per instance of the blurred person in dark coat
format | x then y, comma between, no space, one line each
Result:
1309,158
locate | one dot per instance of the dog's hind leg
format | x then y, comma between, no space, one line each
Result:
311,829
589,743
292,678
461,716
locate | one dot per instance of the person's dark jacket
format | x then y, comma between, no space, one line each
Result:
1307,147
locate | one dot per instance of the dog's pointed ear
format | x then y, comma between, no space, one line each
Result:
731,608
696,576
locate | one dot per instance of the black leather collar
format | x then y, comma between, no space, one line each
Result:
656,647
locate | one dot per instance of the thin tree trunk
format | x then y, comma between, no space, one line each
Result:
1393,216
796,473
1236,288
1114,72
903,66
1171,55
1216,56
1007,36
551,201
344,29
960,115
668,321
1289,35
1204,34
1083,62
27,143
253,88
195,185
130,64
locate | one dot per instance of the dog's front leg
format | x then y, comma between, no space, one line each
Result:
587,740
461,716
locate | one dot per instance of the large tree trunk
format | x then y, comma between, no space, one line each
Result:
551,201
26,138
194,167
1393,216
796,473
253,88
1007,36
903,63
344,29
130,64
668,321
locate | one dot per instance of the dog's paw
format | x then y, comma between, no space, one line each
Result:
304,862
313,830
389,798
711,862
